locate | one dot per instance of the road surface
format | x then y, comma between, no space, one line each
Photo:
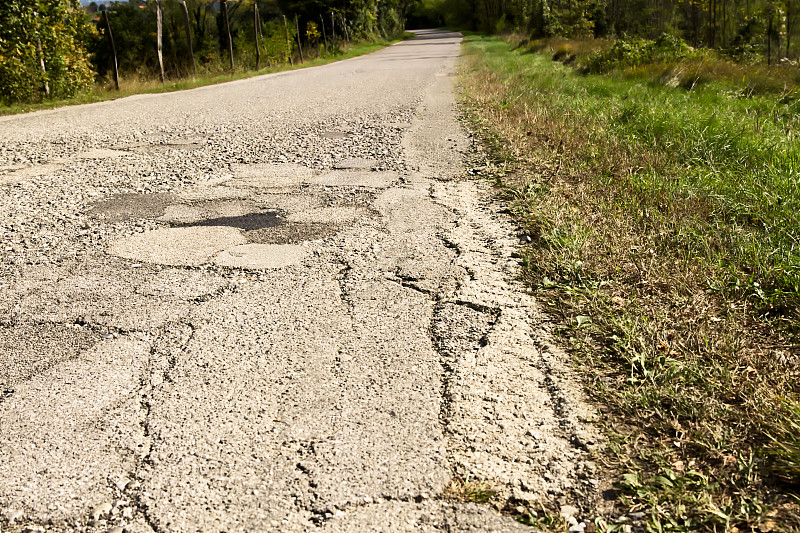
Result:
275,304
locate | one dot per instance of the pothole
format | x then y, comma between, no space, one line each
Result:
246,222
232,233
130,206
265,226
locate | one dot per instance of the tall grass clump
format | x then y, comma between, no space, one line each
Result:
663,227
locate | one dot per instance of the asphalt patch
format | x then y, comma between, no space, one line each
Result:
30,349
131,206
293,233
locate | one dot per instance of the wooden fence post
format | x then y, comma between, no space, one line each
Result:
159,17
188,33
41,66
288,41
113,48
299,43
40,53
344,25
224,7
256,26
324,33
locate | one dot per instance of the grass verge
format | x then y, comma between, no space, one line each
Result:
134,84
664,240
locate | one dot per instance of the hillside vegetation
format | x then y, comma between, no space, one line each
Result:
658,188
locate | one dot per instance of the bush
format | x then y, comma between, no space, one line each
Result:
637,52
61,28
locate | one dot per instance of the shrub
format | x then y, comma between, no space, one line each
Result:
637,52
61,28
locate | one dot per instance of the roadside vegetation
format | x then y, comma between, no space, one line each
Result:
54,52
658,190
104,90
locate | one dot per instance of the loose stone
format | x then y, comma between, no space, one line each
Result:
101,509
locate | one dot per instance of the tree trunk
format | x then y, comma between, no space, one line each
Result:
256,28
40,53
113,48
789,28
324,33
724,23
333,29
159,24
344,25
224,8
188,34
41,67
769,39
299,43
288,41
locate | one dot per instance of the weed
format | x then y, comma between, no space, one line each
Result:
467,490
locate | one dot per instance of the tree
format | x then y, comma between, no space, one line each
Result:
42,49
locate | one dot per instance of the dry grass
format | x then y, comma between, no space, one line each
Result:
469,490
658,285
746,80
700,67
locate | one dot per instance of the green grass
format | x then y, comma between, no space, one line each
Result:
469,490
664,236
133,84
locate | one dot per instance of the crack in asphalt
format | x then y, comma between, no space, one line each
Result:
564,408
228,288
342,277
450,355
145,394
410,282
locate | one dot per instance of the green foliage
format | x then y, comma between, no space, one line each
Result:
276,45
747,29
134,35
637,52
62,29
746,46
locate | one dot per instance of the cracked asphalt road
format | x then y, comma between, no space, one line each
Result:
273,305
